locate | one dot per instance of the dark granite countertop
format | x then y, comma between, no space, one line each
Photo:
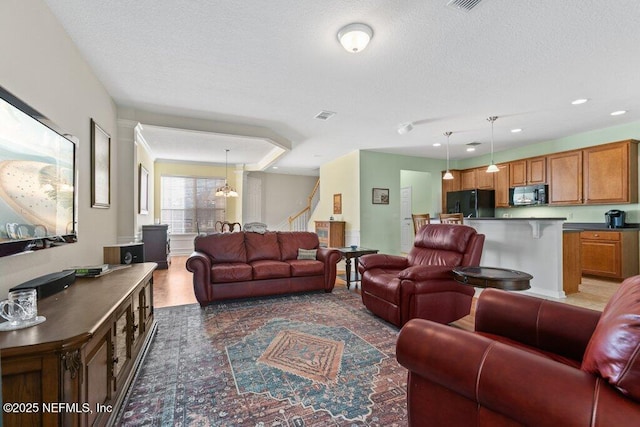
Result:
553,218
597,226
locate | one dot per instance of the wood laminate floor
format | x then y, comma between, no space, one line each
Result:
174,286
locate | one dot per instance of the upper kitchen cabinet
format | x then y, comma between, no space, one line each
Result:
565,178
528,171
502,185
611,173
477,178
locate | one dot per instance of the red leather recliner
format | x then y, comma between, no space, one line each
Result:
529,362
421,285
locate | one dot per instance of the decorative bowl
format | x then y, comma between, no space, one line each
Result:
354,247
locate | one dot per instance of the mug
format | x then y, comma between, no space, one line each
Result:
20,306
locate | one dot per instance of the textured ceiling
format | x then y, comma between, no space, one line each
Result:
277,63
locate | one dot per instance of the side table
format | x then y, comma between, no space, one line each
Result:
351,252
492,277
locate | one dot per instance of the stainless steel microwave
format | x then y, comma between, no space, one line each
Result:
529,195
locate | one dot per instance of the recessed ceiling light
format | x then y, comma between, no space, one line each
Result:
516,130
437,144
579,101
274,167
471,149
618,113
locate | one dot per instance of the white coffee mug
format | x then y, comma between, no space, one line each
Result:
20,307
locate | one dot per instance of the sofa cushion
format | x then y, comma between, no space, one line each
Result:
306,267
270,269
291,241
307,253
614,349
262,246
231,272
222,247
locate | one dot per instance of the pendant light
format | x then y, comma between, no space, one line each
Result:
447,174
492,167
226,190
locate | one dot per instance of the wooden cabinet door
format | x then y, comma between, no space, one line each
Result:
484,179
601,253
502,186
468,178
450,185
517,173
98,378
608,174
565,178
121,345
537,170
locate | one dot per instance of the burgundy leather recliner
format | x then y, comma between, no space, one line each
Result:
421,285
529,362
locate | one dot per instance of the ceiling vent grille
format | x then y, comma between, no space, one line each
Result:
463,5
474,144
325,115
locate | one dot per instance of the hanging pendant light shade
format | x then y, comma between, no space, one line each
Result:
226,190
492,167
447,174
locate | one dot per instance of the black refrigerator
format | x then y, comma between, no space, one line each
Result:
472,203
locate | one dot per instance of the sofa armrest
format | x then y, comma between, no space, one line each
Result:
200,265
367,262
552,326
426,272
330,258
528,388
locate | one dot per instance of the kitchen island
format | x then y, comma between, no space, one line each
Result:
531,245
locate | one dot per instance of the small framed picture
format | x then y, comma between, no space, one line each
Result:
100,167
380,196
337,203
143,190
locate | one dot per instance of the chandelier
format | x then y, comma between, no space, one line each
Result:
226,190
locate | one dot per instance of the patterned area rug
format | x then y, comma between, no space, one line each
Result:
312,359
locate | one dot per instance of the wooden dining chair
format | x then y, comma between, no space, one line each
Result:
454,218
419,220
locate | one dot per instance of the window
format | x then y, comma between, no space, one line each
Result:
189,205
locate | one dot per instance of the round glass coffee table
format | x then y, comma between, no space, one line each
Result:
493,277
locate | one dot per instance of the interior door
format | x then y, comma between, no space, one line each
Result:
253,210
406,223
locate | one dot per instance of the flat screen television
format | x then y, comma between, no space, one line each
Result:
38,197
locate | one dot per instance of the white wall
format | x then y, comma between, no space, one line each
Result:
45,70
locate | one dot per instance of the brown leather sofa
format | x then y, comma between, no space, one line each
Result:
421,285
529,362
247,264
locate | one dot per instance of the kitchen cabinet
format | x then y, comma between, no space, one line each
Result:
571,261
476,178
611,173
450,185
565,178
609,253
528,171
330,233
501,179
85,353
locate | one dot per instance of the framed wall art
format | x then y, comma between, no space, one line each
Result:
380,196
337,203
143,190
100,167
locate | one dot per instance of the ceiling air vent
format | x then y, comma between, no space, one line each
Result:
463,5
325,115
473,144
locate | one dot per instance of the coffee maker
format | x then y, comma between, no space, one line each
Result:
615,218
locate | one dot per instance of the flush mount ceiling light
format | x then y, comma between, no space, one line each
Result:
355,37
226,190
447,174
579,101
492,167
405,128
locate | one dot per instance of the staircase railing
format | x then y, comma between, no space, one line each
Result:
300,220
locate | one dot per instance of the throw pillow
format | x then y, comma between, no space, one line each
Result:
613,351
307,253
